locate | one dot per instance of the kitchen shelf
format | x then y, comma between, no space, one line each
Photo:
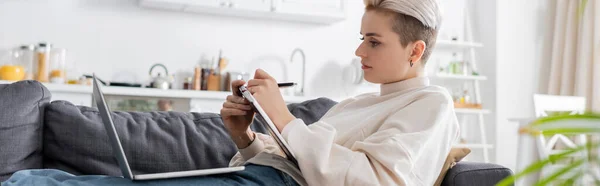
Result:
475,146
471,111
457,44
459,77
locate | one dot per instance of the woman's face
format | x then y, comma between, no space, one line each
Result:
384,59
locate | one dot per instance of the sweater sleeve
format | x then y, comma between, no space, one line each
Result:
387,157
261,143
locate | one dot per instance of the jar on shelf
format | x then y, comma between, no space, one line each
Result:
58,65
10,68
187,84
25,56
43,62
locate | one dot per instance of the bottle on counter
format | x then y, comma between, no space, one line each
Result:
26,58
205,74
43,58
12,70
197,80
58,65
455,65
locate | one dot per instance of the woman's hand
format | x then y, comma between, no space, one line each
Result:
265,90
237,115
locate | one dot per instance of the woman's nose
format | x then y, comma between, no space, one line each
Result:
360,51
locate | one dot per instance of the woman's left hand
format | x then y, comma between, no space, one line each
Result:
265,90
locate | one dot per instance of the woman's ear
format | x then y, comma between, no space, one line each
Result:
417,50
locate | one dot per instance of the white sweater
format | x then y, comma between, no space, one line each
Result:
400,136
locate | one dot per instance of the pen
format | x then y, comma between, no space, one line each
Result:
288,84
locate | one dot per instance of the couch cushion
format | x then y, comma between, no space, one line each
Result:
75,140
21,112
475,174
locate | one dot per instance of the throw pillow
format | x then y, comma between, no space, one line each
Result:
21,114
455,155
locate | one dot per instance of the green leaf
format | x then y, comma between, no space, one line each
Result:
571,181
566,131
560,172
565,124
538,165
567,117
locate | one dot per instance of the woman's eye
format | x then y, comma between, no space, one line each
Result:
374,43
362,38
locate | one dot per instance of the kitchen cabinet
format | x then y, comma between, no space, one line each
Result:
178,5
306,11
251,5
331,8
206,3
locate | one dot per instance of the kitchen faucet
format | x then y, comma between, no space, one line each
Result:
298,50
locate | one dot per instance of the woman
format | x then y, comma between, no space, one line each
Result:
399,136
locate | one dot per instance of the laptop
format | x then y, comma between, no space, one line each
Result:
119,153
273,131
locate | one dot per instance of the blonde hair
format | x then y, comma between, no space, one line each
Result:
414,20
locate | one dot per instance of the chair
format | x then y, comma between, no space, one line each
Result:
544,104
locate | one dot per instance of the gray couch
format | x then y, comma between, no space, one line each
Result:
35,134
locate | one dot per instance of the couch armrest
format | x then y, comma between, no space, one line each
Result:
475,174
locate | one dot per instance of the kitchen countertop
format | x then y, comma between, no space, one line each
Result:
152,92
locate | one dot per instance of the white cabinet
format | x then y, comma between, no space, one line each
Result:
175,5
235,8
310,7
206,3
317,11
251,5
307,11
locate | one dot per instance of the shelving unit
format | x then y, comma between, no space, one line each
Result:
462,77
471,111
468,47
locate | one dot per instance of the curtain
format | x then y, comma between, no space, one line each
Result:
575,51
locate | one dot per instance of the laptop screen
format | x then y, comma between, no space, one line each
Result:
111,130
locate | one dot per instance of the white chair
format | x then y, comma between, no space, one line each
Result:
547,147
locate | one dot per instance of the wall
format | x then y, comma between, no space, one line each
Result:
120,41
485,32
521,37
